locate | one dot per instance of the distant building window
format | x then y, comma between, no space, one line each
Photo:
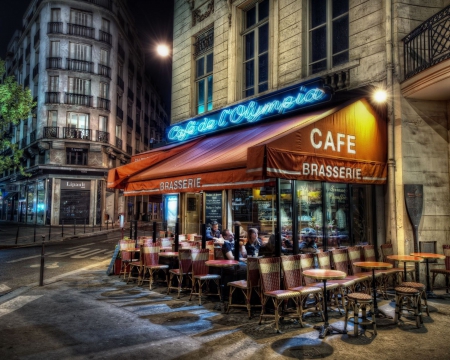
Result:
204,60
81,18
328,34
52,119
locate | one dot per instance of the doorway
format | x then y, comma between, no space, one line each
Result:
193,213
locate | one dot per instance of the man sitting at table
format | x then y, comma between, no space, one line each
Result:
308,244
213,233
228,246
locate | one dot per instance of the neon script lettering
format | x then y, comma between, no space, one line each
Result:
245,113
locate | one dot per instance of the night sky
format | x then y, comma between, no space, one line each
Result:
154,22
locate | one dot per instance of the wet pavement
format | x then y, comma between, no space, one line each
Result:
89,315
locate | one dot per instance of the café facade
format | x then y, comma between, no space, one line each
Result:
301,159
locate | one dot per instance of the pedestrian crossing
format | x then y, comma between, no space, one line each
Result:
16,303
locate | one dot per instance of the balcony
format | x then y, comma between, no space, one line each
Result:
104,70
36,70
138,129
121,52
76,133
52,97
80,30
103,104
130,94
51,132
129,150
78,99
119,142
105,37
80,65
130,122
54,63
427,59
32,136
37,38
119,113
120,82
138,103
103,136
54,28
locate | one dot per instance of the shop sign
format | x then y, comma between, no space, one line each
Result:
190,183
77,150
68,184
253,111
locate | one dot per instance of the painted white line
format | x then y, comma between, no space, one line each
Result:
16,303
76,247
28,258
3,288
87,254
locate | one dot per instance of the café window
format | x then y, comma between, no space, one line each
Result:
256,49
76,156
204,71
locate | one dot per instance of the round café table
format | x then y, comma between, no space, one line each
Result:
428,256
405,259
221,264
324,275
374,265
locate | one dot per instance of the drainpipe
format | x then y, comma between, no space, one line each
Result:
392,213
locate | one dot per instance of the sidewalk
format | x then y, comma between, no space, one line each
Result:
88,314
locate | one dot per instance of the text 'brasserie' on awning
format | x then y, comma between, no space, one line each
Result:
269,163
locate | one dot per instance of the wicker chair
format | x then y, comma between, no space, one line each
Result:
150,256
386,250
126,255
407,299
359,301
271,288
185,268
354,255
293,282
446,271
200,275
246,286
306,263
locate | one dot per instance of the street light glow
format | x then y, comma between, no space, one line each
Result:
380,96
162,50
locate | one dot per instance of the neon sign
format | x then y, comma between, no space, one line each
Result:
273,104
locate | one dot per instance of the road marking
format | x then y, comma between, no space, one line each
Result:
105,257
47,266
16,303
70,252
3,288
28,258
89,253
76,247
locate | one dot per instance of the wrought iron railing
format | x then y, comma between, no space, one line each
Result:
204,43
103,104
129,150
103,136
119,142
54,63
52,98
104,70
54,28
80,65
80,30
119,112
78,99
51,132
120,82
77,133
428,44
105,37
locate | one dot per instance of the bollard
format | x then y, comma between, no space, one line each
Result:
84,226
41,275
74,223
17,234
62,228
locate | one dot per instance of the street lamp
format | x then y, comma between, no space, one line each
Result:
380,96
162,50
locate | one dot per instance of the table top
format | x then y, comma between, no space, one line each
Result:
373,264
132,250
405,258
168,254
221,263
428,255
324,274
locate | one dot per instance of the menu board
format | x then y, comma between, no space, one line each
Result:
242,205
213,207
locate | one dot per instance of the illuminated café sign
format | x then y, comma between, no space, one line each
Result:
264,107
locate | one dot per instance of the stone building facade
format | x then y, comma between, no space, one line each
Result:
251,48
96,107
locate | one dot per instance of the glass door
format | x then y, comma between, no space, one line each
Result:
193,213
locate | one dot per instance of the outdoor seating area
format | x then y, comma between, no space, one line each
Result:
347,281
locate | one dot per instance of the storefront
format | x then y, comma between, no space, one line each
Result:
319,172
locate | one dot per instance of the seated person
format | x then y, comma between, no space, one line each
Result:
270,248
228,246
213,233
308,244
242,232
253,243
287,245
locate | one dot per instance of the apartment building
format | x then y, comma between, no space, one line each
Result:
96,108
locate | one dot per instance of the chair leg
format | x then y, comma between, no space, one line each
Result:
346,316
355,318
263,308
200,285
276,305
398,300
180,281
247,300
446,283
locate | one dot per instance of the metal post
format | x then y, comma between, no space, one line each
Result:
41,274
74,223
49,231
177,239
295,214
278,227
154,231
131,229
84,226
203,236
135,229
34,231
62,228
236,242
17,234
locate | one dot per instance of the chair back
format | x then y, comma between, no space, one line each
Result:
253,274
150,254
199,258
446,249
306,263
126,246
324,260
292,271
354,255
386,250
218,254
369,253
185,261
270,273
340,260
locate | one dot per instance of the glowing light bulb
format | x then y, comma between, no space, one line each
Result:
162,50
380,96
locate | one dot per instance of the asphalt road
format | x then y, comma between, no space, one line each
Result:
20,267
